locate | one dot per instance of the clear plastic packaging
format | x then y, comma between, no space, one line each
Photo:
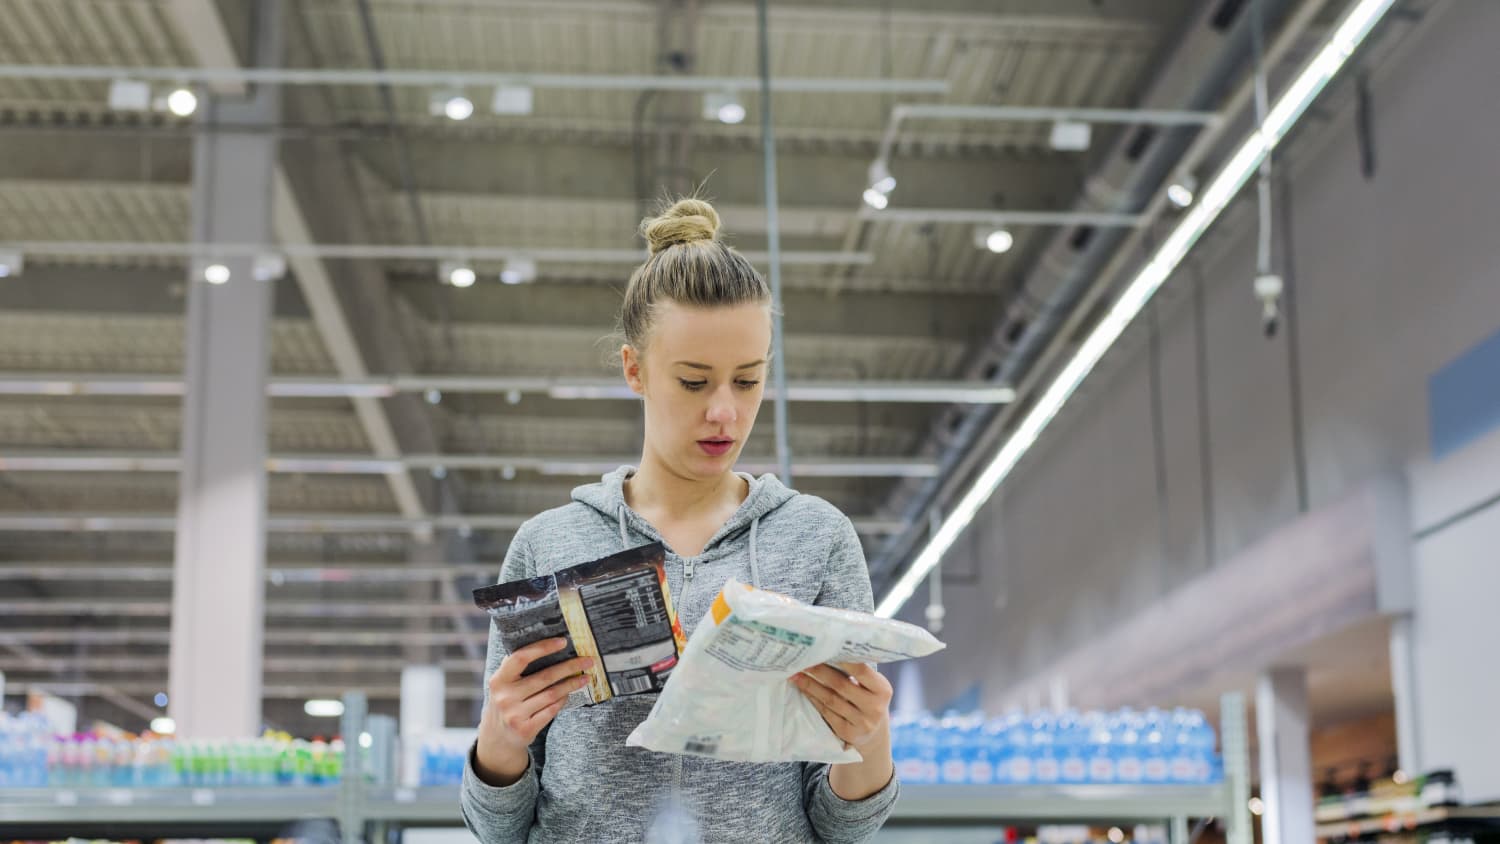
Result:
729,698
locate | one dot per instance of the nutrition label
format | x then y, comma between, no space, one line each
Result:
753,646
626,612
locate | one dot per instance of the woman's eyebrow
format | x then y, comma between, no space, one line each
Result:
706,367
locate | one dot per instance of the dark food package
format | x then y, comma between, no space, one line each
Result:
617,609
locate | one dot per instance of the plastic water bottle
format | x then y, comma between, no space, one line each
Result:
1102,749
951,768
1129,766
977,751
1018,751
1210,765
1182,769
1046,767
1154,748
904,749
1072,737
10,758
927,748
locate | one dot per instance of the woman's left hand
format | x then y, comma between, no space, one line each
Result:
856,703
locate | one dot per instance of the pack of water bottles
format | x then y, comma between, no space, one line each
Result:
1155,746
25,743
32,757
443,764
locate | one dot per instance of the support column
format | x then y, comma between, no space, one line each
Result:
1281,724
1404,692
218,591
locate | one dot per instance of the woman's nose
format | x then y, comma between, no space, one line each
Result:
721,409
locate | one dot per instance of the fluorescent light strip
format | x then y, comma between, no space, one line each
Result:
1315,75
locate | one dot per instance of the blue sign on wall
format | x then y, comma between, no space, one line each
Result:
1463,398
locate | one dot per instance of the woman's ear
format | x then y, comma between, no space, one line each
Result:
631,364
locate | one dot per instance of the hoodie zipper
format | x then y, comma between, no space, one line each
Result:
687,580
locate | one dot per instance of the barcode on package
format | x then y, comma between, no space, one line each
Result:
631,685
698,744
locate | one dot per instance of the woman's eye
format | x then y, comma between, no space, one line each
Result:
747,385
693,386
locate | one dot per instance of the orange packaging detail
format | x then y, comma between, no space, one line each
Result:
720,609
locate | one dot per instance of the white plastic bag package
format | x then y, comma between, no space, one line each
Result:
729,697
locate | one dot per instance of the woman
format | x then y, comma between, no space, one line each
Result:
697,334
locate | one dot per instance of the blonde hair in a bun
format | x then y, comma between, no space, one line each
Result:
687,221
688,265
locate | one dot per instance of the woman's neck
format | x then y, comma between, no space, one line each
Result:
656,489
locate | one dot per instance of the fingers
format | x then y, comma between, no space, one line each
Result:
525,717
864,672
827,700
528,686
515,664
549,697
535,723
870,678
842,727
841,685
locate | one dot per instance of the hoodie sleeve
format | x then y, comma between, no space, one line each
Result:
505,814
846,585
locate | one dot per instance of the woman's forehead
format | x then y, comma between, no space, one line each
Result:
731,335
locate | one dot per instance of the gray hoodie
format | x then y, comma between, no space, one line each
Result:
584,784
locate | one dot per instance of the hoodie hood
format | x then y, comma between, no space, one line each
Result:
767,493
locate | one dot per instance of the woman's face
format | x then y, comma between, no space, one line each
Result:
702,377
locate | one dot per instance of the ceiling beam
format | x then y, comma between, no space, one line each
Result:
325,609
276,574
308,523
464,691
285,635
310,664
413,78
117,384
73,460
301,247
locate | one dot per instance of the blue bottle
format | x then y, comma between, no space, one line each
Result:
981,771
1129,764
1210,764
1156,765
927,748
1046,766
1101,749
1021,767
951,767
1072,737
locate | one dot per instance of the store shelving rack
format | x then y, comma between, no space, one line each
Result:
365,811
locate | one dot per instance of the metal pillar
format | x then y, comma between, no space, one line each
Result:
1236,746
1286,788
219,580
773,246
1404,691
351,792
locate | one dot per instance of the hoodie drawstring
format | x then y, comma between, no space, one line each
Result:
754,563
624,536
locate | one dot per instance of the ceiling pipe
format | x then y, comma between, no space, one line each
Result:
115,384
71,460
390,252
65,522
276,574
464,79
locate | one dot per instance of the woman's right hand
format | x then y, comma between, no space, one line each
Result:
518,708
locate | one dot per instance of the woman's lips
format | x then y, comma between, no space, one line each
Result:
716,448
